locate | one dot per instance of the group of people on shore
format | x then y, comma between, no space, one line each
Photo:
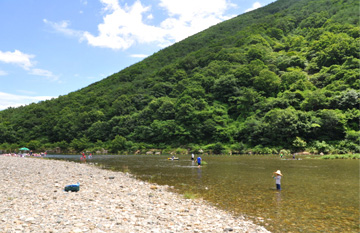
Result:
83,156
41,154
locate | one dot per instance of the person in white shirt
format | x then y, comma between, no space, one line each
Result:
277,176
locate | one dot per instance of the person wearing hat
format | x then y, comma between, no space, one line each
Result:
277,176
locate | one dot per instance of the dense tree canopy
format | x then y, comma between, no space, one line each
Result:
285,76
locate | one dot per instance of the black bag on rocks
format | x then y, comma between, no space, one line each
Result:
72,187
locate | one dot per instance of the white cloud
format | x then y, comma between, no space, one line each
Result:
24,61
185,21
124,25
84,2
18,58
254,6
139,55
44,73
10,100
41,72
3,73
187,10
63,28
26,92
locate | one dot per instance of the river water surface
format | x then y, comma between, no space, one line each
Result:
316,196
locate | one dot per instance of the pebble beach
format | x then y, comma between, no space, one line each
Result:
33,200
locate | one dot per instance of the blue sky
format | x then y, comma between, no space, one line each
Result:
53,47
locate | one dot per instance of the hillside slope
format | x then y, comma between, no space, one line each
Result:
281,77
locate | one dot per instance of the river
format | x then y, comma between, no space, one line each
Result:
317,195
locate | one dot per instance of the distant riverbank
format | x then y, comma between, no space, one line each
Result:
33,200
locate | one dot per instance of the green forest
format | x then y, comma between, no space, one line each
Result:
284,77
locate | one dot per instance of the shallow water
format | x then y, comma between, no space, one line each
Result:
317,195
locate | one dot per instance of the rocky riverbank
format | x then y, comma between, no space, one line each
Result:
33,200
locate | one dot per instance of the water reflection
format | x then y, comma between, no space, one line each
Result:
278,198
199,171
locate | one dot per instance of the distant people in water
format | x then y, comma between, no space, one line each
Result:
83,157
277,176
199,161
192,156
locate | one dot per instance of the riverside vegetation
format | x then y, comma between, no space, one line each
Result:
282,77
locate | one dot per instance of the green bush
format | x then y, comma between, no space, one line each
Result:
342,156
218,148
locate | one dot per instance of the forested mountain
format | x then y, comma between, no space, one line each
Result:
285,76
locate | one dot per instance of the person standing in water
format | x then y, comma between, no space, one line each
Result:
192,156
83,157
277,176
199,161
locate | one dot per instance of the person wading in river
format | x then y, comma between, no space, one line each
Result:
277,176
199,161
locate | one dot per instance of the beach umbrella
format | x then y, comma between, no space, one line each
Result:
24,148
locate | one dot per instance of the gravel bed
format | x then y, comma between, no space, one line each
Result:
32,199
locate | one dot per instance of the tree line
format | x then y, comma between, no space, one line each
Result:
283,77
